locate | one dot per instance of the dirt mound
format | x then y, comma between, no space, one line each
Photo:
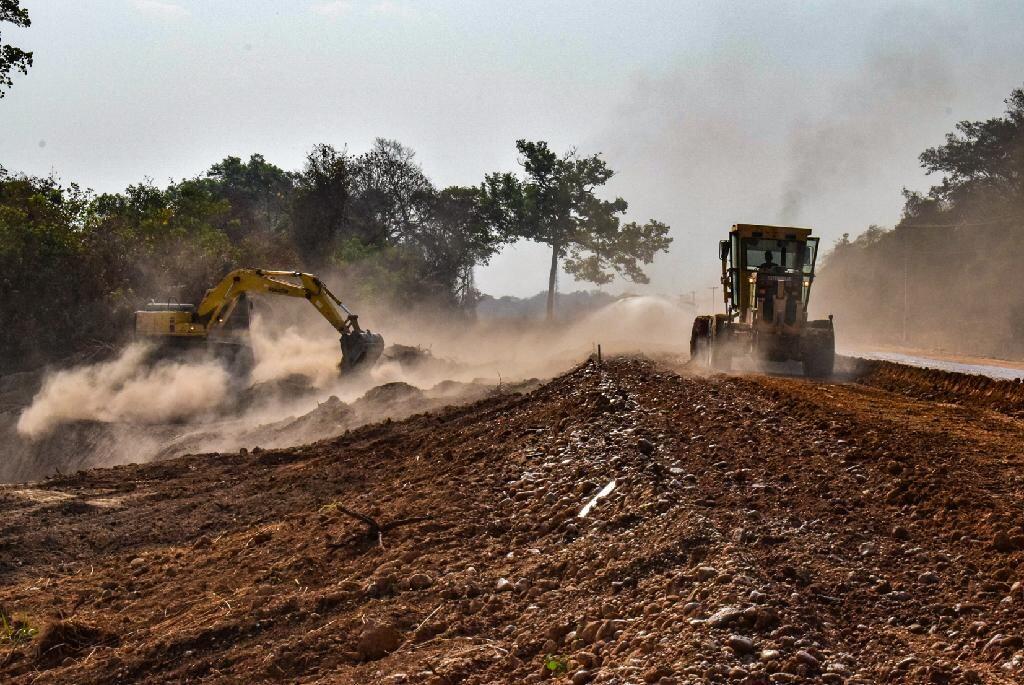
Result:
69,640
292,387
389,400
407,355
934,385
621,524
329,418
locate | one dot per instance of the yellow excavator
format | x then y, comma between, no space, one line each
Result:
210,326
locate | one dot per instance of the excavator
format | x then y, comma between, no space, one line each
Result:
210,326
767,273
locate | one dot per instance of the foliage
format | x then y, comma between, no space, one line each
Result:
76,265
13,58
944,277
15,631
555,204
320,204
556,664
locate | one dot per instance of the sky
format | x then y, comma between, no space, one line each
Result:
802,113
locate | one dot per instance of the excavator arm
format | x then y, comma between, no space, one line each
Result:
357,346
220,300
181,323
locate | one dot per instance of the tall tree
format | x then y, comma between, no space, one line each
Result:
321,203
391,196
555,204
12,58
453,239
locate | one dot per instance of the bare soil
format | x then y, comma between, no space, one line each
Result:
752,529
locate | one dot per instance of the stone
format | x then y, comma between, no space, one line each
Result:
582,677
589,632
740,644
807,658
725,617
419,581
1001,542
706,573
376,642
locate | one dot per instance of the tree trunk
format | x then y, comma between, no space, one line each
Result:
552,282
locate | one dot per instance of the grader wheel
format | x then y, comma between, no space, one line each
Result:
818,349
721,352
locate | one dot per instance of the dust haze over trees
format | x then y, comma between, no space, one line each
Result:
12,58
948,275
555,204
75,265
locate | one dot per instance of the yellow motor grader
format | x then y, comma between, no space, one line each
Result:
767,273
210,327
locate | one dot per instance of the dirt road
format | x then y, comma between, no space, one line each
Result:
746,529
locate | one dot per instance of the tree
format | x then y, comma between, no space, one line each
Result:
12,58
391,196
319,210
987,153
982,164
43,276
259,194
453,239
944,276
555,204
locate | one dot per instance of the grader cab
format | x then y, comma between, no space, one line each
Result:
767,273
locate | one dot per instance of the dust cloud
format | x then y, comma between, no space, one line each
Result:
125,389
129,409
749,132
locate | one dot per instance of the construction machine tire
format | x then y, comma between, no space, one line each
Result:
818,349
700,340
722,345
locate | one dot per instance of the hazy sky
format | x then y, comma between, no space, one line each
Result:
810,113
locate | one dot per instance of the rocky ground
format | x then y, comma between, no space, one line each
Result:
630,522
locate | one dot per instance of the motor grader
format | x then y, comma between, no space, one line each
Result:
217,325
767,273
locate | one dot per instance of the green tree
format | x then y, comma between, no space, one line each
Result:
12,58
259,193
981,156
453,240
555,204
320,205
391,196
43,276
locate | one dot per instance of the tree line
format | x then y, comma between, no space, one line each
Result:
75,264
947,274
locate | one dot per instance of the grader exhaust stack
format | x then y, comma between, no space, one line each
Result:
767,273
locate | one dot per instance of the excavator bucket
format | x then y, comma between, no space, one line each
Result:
360,349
